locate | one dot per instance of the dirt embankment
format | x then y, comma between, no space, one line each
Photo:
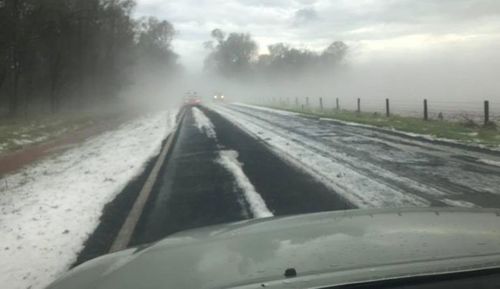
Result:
11,161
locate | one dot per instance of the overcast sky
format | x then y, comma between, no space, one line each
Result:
373,28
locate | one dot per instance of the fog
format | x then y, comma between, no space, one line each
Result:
455,80
407,51
255,52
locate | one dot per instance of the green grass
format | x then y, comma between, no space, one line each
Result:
461,132
16,133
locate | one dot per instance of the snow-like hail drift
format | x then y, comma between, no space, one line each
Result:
49,209
203,123
229,160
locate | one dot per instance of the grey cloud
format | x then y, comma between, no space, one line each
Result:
317,22
361,20
417,12
304,15
267,3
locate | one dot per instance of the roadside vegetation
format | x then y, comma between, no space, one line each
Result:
63,61
236,56
18,133
467,131
57,55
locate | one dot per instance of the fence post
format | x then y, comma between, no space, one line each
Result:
426,112
338,105
387,110
486,112
321,104
359,105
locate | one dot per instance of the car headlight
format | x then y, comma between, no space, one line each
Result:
222,96
215,96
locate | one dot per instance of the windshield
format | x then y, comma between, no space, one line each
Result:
488,279
346,135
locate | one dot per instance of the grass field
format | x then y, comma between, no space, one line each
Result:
464,132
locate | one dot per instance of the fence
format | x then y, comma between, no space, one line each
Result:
477,111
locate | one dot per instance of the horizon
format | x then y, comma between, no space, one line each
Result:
373,30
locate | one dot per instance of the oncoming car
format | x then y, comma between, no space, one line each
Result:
219,97
426,248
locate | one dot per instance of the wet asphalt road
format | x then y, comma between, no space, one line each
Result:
194,190
431,172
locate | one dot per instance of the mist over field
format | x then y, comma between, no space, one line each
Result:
149,53
453,80
407,51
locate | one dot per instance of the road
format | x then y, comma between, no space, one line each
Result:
373,168
235,162
201,184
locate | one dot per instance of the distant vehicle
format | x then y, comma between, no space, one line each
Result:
192,98
219,96
425,248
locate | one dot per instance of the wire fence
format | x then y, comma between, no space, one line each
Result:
480,111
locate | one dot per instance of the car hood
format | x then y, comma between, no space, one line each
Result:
330,248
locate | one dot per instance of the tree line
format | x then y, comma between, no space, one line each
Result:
235,55
60,53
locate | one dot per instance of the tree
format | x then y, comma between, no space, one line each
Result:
13,19
155,42
288,61
233,55
75,52
333,54
4,43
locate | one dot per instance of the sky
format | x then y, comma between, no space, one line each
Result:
440,49
372,28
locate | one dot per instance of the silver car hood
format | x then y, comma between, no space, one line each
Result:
329,248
